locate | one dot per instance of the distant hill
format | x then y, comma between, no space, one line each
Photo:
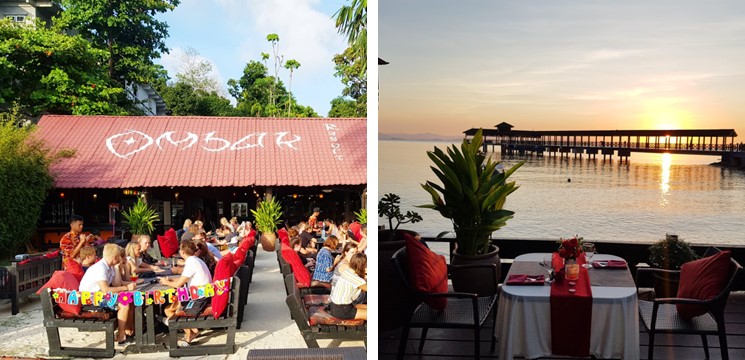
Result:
419,137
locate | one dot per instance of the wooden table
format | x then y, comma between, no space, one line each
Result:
145,338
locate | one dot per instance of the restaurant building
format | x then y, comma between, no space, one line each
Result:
200,167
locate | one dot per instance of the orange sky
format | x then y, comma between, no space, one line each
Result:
548,65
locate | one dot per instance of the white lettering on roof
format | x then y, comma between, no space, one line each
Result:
130,142
335,146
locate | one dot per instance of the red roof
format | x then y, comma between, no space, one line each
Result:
154,151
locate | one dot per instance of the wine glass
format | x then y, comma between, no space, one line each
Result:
547,264
589,249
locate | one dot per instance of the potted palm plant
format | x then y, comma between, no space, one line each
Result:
267,216
141,219
472,195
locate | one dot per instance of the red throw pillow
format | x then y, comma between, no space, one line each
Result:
703,279
74,268
168,243
355,227
240,255
428,271
64,280
302,275
224,270
284,238
52,254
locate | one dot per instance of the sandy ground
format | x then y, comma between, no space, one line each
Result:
266,324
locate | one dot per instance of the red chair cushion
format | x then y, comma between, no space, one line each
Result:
74,268
96,315
64,280
225,269
52,254
355,227
284,238
317,315
703,279
168,243
428,271
302,275
316,300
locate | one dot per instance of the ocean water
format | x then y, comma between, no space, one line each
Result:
639,200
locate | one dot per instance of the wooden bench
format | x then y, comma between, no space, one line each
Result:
53,321
18,281
205,320
342,353
323,326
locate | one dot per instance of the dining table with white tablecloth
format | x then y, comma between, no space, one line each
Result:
524,313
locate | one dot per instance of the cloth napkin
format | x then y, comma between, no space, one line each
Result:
525,279
614,264
571,314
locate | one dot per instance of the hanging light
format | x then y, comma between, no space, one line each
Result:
62,195
320,196
176,195
294,196
95,196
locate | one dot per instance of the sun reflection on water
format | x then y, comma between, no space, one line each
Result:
667,160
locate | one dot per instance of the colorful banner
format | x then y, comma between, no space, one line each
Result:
139,298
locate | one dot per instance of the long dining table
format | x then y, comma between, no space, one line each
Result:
524,313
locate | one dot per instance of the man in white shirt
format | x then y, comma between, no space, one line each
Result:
102,276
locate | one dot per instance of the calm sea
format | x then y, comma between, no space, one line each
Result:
642,200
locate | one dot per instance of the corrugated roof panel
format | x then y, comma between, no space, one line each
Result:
131,152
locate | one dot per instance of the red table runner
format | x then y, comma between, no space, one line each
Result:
571,313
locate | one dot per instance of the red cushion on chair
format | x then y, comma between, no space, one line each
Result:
703,279
428,271
302,275
284,238
355,227
168,243
74,268
64,280
225,269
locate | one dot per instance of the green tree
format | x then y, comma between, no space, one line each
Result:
24,181
46,71
291,65
350,70
195,71
278,60
343,108
183,100
127,29
351,21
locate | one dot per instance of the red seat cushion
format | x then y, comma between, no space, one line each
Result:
284,238
168,243
355,227
703,279
64,280
225,269
428,271
302,275
317,315
74,268
96,315
316,300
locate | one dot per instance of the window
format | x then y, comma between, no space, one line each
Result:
16,18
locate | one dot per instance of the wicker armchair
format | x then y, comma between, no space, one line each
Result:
661,316
464,310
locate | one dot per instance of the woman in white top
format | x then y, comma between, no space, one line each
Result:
195,273
347,252
348,288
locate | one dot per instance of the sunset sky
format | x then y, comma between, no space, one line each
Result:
555,65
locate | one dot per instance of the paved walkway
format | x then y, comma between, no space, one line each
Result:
266,325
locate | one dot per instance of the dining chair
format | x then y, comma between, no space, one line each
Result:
463,311
661,316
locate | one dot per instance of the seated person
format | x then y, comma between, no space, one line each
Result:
309,260
204,253
362,245
326,262
193,230
145,241
309,241
346,294
245,230
134,259
195,273
88,256
103,276
346,256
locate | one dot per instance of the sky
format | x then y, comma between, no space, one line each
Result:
230,33
561,65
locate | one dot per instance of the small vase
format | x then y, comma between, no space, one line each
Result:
571,269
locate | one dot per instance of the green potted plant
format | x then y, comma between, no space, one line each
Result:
472,195
361,216
266,218
670,254
141,219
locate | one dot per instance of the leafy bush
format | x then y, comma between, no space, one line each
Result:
24,181
141,218
670,253
361,216
267,216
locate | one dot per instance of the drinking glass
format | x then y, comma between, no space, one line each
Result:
589,249
547,264
133,277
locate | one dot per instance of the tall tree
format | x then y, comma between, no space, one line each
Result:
278,61
351,21
183,100
127,29
46,71
291,65
349,69
196,71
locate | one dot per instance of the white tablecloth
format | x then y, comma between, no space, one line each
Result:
524,319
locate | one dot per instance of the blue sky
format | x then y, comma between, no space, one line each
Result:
229,33
545,64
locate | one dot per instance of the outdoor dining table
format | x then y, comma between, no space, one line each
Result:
145,330
524,313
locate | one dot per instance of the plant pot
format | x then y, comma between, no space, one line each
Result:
666,284
476,285
393,306
135,237
268,241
